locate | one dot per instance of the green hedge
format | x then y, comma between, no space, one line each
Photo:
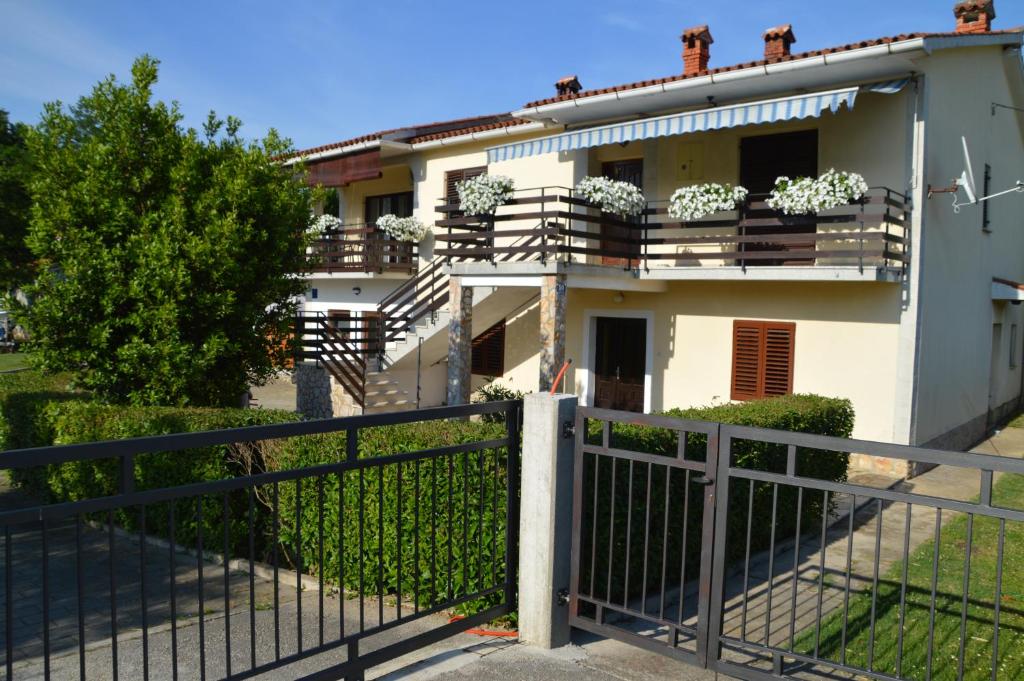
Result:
800,413
470,522
71,421
23,397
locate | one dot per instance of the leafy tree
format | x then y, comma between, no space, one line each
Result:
15,167
167,257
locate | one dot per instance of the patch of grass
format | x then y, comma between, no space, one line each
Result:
945,643
1017,422
12,360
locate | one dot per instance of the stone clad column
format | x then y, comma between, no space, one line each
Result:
460,340
552,328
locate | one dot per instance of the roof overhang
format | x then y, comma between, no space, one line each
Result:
818,72
1004,289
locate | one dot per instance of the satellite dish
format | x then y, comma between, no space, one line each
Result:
967,176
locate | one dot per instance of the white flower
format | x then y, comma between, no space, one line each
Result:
402,229
613,196
481,195
323,223
699,200
812,195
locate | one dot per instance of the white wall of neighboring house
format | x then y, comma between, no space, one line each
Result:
958,317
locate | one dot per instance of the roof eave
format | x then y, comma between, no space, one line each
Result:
924,45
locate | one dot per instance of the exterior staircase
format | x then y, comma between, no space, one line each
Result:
380,362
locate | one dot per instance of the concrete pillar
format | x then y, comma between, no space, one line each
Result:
545,520
552,328
460,341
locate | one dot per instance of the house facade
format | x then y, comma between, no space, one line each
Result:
898,302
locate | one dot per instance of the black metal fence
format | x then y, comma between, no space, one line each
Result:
769,570
209,579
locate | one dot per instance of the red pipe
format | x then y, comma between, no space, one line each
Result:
558,378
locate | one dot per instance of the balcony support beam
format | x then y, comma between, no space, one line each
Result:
553,292
460,341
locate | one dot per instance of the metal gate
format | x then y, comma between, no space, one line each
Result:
318,570
746,551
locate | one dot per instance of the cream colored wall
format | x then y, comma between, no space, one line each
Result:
869,139
957,314
845,340
394,179
522,360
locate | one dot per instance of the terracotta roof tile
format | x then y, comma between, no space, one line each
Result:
744,65
456,126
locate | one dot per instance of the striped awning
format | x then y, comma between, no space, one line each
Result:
767,111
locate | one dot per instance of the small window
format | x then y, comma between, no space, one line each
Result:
488,356
451,183
313,293
762,359
1013,346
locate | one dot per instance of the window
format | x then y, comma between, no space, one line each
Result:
451,181
762,359
1013,346
488,356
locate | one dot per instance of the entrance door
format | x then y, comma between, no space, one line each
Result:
631,171
620,361
399,205
763,159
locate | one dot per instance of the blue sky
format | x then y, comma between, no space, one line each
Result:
321,72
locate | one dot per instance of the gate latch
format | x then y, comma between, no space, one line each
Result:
703,480
568,429
563,597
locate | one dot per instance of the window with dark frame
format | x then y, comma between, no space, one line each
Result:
451,182
488,352
762,359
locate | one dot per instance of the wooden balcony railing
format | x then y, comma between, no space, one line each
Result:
551,223
361,248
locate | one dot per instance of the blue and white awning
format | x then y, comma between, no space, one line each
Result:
767,111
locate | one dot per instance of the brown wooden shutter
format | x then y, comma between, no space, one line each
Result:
488,354
762,359
453,177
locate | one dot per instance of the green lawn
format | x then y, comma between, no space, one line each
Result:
12,360
1018,422
1008,492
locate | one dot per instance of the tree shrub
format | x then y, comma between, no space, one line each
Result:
70,422
459,499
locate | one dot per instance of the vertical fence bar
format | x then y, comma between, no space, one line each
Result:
796,567
771,567
320,557
113,594
903,591
874,585
298,564
821,572
227,584
398,533
202,604
9,605
45,546
173,579
275,542
746,561
79,597
142,593
998,597
251,493
935,584
846,588
513,422
963,605
629,534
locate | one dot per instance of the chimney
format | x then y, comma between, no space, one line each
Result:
696,49
570,85
974,16
777,41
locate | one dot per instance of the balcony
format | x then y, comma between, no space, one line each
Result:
552,226
361,249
